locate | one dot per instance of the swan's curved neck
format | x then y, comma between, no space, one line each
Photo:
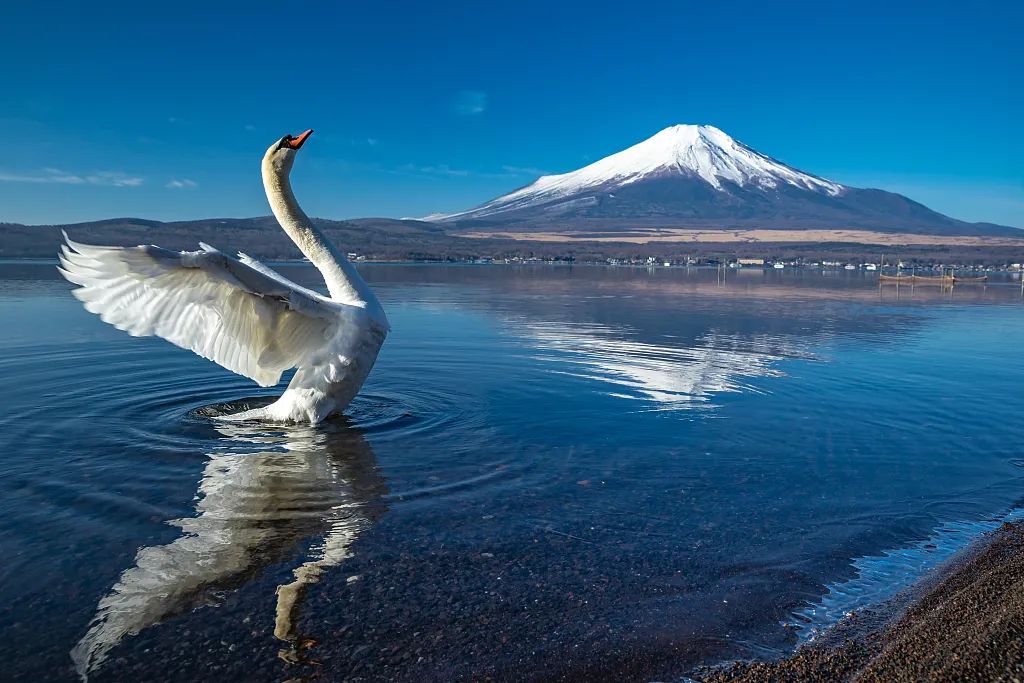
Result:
343,280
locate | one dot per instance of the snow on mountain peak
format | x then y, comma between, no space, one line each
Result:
689,150
704,151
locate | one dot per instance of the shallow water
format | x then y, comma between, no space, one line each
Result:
576,473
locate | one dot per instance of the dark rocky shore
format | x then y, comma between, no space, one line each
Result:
967,626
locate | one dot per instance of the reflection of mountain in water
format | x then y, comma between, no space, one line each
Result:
675,377
263,491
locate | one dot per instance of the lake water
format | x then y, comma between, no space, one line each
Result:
571,473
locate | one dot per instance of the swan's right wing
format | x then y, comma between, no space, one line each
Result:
247,319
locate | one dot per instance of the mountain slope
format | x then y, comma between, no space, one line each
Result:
698,176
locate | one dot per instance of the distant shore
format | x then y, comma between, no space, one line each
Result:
967,625
381,239
925,269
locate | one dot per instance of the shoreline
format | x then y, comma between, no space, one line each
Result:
962,622
798,267
387,239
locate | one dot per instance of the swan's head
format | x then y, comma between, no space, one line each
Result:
281,154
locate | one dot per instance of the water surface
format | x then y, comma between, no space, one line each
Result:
573,473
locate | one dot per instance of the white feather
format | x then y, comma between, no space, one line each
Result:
223,309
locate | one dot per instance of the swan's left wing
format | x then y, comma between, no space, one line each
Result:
245,318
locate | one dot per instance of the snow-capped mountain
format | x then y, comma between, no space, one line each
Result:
698,176
703,152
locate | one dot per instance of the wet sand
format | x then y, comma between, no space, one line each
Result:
967,626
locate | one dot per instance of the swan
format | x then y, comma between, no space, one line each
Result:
239,313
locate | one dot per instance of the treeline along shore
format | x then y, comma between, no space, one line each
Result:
410,240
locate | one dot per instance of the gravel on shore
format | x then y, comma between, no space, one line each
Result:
967,627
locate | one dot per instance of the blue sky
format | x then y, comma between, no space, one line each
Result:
163,110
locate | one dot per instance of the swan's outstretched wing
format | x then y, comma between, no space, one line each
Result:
237,313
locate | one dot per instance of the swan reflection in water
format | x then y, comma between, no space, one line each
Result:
263,493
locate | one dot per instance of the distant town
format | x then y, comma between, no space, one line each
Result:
386,240
882,265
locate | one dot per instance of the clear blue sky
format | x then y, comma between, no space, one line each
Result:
163,110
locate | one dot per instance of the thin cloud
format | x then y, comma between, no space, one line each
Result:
55,176
440,169
446,171
524,170
183,184
470,102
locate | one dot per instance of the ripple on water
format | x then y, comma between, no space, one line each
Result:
265,494
139,402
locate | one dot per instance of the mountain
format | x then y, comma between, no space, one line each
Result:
683,177
698,176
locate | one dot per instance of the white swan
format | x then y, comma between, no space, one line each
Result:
241,314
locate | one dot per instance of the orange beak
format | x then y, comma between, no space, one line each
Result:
299,140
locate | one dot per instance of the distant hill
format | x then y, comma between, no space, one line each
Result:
699,177
260,236
388,239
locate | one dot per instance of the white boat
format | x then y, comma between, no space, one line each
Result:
850,266
779,266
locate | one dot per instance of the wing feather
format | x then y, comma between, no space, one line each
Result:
237,313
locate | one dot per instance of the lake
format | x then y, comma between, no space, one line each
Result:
553,473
